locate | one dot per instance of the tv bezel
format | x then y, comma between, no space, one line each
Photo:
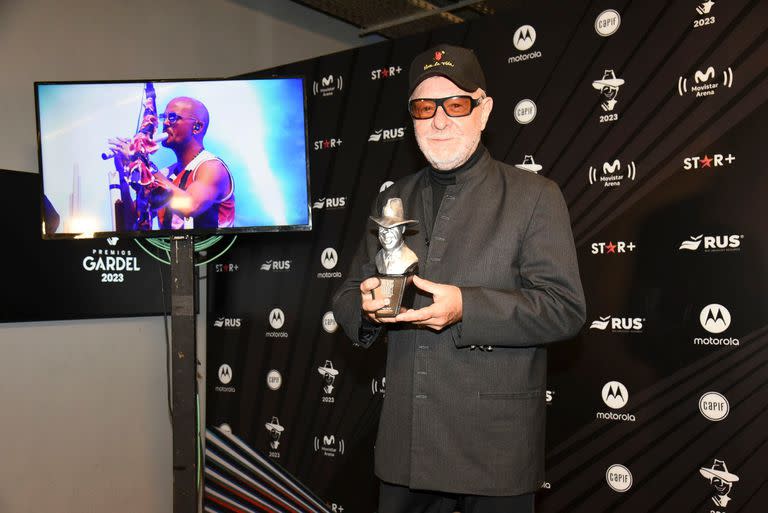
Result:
181,232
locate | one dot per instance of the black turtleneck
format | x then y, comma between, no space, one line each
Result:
441,179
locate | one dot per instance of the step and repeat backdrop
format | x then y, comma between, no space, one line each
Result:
651,117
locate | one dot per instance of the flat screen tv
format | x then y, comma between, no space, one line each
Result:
158,158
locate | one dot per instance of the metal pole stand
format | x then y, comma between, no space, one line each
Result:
183,374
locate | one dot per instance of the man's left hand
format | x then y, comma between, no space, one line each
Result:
446,307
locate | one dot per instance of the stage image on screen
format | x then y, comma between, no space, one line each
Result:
148,158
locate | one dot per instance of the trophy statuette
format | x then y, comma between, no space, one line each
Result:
395,262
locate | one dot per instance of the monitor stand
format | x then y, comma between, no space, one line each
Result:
183,375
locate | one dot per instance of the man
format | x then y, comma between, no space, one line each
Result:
462,424
394,257
200,193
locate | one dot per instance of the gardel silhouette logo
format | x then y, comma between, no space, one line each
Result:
529,164
276,319
715,319
386,185
328,259
387,135
712,243
275,430
706,82
705,18
609,90
618,324
613,174
716,160
615,396
330,203
608,248
714,406
327,85
227,322
327,144
385,72
329,446
276,265
523,39
720,480
329,375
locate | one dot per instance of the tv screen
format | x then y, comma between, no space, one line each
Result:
155,158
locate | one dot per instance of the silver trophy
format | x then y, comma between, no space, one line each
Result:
395,261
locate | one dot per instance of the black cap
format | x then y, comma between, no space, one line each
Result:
457,64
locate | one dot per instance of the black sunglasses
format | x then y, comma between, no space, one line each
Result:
453,106
172,118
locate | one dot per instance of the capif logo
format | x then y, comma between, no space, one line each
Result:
619,478
607,22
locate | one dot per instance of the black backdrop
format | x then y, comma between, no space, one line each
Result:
46,280
665,188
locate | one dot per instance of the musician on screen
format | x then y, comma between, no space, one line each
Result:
198,190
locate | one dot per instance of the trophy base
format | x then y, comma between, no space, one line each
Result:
392,287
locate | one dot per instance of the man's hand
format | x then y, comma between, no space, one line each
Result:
446,307
119,145
370,305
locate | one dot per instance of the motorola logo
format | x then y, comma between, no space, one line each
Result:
619,478
525,111
274,379
714,406
328,259
615,395
715,318
225,374
276,318
523,39
607,23
329,322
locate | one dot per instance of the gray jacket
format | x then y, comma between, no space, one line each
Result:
457,419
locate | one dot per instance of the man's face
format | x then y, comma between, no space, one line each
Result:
390,237
609,93
447,142
180,132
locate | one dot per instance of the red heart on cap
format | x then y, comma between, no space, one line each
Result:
438,56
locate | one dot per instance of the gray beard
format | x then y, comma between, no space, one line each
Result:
459,158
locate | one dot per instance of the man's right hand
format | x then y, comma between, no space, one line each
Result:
370,305
119,145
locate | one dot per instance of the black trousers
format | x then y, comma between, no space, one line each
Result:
401,499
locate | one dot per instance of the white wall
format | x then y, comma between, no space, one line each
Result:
84,419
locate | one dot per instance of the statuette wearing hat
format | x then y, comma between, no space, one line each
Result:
395,261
